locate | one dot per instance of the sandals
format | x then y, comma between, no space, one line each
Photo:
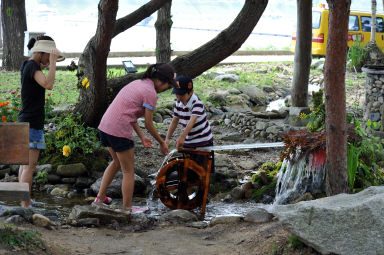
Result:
106,200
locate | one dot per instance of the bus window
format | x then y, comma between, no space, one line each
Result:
366,23
316,19
379,25
353,24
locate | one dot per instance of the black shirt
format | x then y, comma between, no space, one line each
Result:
32,96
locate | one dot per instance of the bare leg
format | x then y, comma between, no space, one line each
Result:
126,159
109,174
26,172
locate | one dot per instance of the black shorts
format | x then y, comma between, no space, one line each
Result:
118,144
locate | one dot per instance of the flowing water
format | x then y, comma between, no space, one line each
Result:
298,175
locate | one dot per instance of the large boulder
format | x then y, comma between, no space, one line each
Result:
256,95
342,224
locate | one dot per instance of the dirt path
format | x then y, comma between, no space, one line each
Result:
241,238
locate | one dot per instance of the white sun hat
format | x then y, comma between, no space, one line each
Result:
46,46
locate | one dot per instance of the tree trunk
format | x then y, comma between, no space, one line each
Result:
335,101
163,33
14,24
93,65
1,29
192,64
303,48
373,21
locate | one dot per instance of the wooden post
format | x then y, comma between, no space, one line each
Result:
14,149
14,143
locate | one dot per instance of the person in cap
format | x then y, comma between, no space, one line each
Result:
33,85
190,113
135,100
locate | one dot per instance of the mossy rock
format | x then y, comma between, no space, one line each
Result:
257,195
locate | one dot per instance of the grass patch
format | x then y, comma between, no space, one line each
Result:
13,238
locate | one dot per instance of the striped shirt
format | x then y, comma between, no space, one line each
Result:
201,133
127,107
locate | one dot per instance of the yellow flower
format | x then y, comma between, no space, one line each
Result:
60,133
302,115
311,108
66,150
85,82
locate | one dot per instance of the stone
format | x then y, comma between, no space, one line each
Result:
178,216
59,192
46,167
227,77
256,95
258,215
343,224
40,220
226,219
71,170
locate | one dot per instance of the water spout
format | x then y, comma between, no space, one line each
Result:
298,175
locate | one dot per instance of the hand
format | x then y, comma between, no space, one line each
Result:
42,66
164,148
146,142
54,54
180,142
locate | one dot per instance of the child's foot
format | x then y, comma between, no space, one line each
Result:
106,200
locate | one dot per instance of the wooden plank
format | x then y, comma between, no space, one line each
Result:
14,143
14,191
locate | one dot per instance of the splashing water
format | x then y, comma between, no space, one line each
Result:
298,175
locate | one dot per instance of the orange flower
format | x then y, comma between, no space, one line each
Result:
3,117
1,104
5,121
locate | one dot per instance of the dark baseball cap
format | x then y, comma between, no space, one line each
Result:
168,72
184,85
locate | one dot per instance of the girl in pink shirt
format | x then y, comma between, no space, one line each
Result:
135,100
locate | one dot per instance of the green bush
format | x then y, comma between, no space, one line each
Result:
12,237
69,138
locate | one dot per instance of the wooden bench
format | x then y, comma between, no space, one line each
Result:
14,149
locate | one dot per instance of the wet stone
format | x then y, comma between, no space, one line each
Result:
230,219
258,215
178,216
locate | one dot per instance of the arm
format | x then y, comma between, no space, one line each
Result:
152,130
47,82
171,129
144,139
191,123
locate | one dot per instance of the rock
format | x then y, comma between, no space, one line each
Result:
218,96
114,189
198,224
59,192
4,172
41,221
15,219
258,215
237,193
88,222
178,216
226,219
343,224
46,167
256,95
105,216
227,77
71,170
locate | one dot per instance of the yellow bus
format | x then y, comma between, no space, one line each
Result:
359,29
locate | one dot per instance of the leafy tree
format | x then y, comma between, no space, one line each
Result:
335,99
14,23
94,100
302,64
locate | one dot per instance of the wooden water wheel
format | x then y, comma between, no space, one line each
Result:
182,183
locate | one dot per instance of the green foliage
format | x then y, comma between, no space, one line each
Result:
41,177
356,55
316,118
368,152
352,164
294,242
258,194
70,131
12,237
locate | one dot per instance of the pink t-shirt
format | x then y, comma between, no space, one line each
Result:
127,107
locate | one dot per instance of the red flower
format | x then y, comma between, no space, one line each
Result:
18,96
3,117
13,92
49,94
47,99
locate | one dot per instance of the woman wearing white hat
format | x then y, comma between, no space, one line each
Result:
33,86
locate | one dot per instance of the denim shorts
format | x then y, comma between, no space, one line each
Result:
118,144
36,139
